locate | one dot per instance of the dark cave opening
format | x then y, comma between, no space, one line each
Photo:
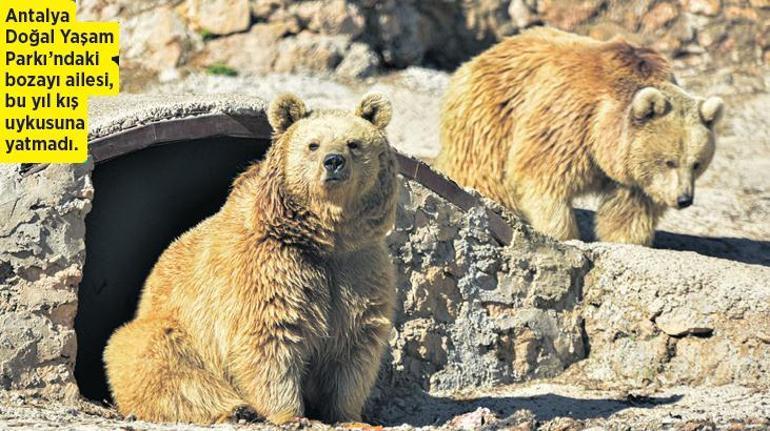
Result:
142,201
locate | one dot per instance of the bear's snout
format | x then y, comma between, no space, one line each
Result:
684,201
334,164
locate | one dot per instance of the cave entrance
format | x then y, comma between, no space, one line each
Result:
142,201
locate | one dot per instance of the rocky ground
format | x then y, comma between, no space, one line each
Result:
541,406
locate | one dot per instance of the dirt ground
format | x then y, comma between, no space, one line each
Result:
542,406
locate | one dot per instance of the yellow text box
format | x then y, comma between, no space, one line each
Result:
49,65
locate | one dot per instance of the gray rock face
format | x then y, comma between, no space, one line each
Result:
475,313
41,258
658,317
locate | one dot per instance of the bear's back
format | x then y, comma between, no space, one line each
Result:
574,60
543,83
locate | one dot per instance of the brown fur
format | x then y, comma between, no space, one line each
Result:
546,116
282,301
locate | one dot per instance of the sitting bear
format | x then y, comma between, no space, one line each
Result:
281,303
545,116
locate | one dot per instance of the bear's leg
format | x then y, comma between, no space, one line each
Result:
268,370
338,388
547,213
627,216
155,375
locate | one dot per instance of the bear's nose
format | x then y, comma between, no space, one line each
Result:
684,201
334,163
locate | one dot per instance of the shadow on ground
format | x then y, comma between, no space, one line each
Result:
736,249
422,409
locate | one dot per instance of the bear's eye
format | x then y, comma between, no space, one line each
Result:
670,163
313,146
695,166
353,145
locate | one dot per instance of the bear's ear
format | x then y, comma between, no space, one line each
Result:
711,110
648,102
376,109
284,111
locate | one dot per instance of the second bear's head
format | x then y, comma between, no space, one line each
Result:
333,160
671,141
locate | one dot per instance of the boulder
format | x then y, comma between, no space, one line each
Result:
157,39
219,17
663,318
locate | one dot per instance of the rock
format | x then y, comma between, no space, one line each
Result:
668,44
338,17
168,75
764,4
477,419
252,52
567,15
684,28
703,7
219,17
398,31
264,9
734,13
401,33
697,425
701,306
109,10
42,253
476,314
712,35
97,10
157,40
659,16
359,62
309,52
608,30
683,322
564,424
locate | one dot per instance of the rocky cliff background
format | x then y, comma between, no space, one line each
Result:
713,42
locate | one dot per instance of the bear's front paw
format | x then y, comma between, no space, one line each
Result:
241,414
246,414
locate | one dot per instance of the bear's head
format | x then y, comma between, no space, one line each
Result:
337,164
670,141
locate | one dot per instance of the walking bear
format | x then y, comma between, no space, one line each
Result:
545,116
282,302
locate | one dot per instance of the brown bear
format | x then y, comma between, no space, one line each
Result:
545,116
281,303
